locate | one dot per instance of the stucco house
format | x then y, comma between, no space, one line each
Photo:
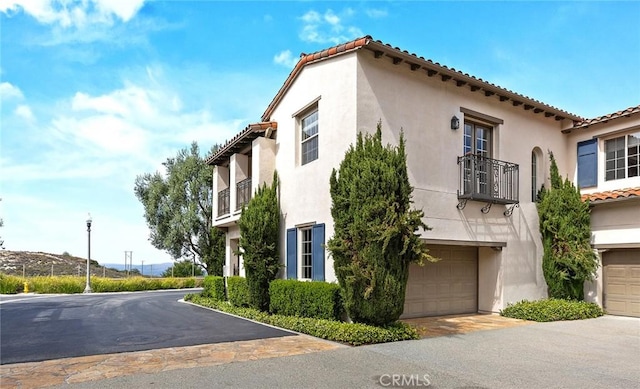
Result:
476,156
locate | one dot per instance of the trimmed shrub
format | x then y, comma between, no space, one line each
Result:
565,227
375,229
238,291
355,334
214,287
11,284
259,226
552,310
320,300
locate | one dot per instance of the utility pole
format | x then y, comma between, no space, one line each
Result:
127,256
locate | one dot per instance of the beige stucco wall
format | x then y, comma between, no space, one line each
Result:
614,224
603,131
304,191
423,107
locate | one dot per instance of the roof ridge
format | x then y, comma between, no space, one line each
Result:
610,116
367,40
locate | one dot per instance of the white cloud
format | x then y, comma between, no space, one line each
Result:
74,13
9,91
328,27
331,18
24,111
375,13
285,58
115,135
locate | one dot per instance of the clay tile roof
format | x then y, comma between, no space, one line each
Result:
432,68
605,118
240,141
618,194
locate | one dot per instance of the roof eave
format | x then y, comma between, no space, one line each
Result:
251,132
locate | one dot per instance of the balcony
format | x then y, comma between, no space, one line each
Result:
243,193
488,180
223,202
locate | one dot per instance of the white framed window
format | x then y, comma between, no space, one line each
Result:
306,253
622,157
477,139
309,137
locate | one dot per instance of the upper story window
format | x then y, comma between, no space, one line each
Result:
309,138
588,163
534,176
622,157
477,139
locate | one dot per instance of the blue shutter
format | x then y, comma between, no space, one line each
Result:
588,163
292,255
317,252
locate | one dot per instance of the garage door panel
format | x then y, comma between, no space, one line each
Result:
621,284
634,291
449,286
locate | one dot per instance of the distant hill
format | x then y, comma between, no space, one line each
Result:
45,264
152,269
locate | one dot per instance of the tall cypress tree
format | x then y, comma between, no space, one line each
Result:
375,236
565,226
259,228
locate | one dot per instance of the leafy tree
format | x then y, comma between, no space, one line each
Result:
178,209
568,260
182,269
375,236
259,235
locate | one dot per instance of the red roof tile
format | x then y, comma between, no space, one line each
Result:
612,195
605,118
432,68
235,144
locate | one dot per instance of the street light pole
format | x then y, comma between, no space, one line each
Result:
87,288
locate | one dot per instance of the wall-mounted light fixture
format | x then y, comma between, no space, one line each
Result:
455,123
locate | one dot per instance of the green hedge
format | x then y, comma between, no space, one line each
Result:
319,300
355,334
214,287
71,284
552,310
238,291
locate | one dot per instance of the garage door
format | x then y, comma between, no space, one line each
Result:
622,282
446,287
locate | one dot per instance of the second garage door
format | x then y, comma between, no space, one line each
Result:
622,282
446,287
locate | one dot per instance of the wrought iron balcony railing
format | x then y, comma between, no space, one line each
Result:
223,202
243,193
488,180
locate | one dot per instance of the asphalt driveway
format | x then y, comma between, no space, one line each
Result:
39,328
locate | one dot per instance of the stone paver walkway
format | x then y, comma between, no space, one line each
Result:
461,324
98,367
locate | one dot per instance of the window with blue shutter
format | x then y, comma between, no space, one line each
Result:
292,244
317,250
588,163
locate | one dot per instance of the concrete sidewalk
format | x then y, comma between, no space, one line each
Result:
601,352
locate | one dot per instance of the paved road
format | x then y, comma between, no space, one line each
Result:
597,353
38,328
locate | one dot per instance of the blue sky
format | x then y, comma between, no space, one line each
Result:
96,92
